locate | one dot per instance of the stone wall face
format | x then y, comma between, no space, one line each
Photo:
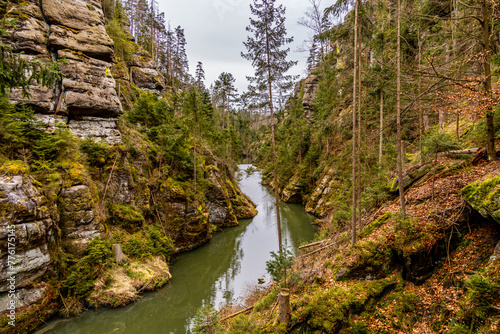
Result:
25,213
74,30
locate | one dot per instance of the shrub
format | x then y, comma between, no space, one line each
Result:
280,262
206,320
149,243
97,153
80,280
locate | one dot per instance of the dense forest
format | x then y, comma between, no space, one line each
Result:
390,142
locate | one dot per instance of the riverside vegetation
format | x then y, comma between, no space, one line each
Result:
166,185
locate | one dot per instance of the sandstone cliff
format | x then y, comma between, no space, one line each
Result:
125,199
87,97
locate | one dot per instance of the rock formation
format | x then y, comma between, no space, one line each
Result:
51,30
307,89
87,97
28,215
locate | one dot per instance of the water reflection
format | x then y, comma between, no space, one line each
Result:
213,274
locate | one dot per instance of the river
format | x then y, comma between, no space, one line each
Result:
215,273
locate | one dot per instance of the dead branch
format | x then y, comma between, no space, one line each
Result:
314,244
237,313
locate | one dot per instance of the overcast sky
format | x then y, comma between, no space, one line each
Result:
215,31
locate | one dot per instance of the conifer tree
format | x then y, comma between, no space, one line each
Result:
200,75
181,64
225,91
266,49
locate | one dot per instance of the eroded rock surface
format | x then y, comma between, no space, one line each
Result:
25,226
49,30
79,221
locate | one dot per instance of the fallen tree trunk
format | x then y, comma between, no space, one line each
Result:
460,152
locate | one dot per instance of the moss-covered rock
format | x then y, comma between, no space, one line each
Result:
410,176
484,197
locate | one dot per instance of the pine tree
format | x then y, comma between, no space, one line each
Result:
180,64
267,52
225,91
200,75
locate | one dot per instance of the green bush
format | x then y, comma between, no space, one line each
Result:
99,252
482,292
97,153
437,141
81,277
148,243
280,262
206,320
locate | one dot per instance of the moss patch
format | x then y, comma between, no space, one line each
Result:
484,197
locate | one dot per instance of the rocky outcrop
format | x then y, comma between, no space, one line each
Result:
319,202
484,197
145,74
26,227
293,191
79,221
97,128
307,89
55,29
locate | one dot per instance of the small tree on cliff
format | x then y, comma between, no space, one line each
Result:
267,52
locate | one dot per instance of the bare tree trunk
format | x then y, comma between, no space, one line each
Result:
359,133
275,167
381,130
194,157
419,106
398,117
354,98
284,306
490,126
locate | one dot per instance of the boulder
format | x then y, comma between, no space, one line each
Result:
148,79
144,72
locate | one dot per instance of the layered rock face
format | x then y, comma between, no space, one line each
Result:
28,219
86,98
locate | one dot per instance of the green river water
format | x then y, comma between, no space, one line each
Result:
215,273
